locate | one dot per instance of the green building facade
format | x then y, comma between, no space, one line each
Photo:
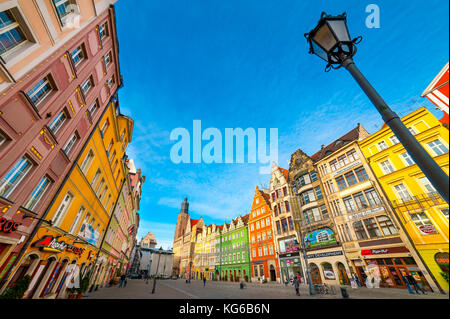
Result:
233,251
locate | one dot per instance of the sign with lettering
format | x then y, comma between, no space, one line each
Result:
320,237
366,213
391,250
50,243
327,254
8,226
428,230
347,168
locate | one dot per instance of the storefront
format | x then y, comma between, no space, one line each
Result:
290,266
386,267
329,266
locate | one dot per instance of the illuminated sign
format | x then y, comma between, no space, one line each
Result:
50,243
8,226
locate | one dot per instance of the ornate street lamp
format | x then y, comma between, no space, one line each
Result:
331,41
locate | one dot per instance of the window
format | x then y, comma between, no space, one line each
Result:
427,185
412,130
92,109
360,200
38,193
78,55
394,140
87,86
307,197
343,160
352,155
382,145
103,30
77,220
70,144
386,226
112,157
62,209
372,197
110,82
64,8
407,159
402,192
278,227
359,230
387,167
286,204
40,91
324,212
318,192
372,227
15,175
420,219
349,204
107,60
291,224
313,176
437,147
96,177
351,178
87,161
334,165
341,182
361,174
444,212
2,138
11,34
104,127
347,231
58,122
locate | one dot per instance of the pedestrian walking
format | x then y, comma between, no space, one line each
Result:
296,286
356,279
122,280
204,281
412,281
405,280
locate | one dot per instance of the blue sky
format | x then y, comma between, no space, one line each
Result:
246,64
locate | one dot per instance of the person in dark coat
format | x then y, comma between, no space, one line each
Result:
407,284
296,286
122,280
204,281
412,281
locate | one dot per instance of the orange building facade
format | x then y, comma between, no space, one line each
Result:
263,256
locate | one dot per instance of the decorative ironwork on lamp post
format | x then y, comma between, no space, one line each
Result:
331,41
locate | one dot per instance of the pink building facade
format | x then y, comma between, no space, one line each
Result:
46,117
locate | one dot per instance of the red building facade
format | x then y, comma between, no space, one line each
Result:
45,119
263,253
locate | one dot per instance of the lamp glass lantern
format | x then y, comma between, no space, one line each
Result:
330,39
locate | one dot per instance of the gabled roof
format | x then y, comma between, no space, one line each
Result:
284,171
194,222
357,133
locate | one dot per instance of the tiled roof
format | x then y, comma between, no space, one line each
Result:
285,172
355,134
194,222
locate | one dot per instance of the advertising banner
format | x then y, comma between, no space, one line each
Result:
320,237
88,233
288,245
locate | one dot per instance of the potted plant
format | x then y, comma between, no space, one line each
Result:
18,290
84,286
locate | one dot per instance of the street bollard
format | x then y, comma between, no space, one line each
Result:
344,293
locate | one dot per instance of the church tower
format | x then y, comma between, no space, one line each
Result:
183,219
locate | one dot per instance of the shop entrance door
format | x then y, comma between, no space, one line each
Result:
362,275
343,278
273,275
315,274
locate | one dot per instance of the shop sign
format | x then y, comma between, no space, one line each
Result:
320,237
329,274
50,243
6,268
289,255
8,226
346,168
391,250
288,245
327,254
88,233
428,230
366,213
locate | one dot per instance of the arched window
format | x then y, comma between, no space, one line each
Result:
328,271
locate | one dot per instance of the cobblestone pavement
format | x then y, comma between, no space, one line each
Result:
179,289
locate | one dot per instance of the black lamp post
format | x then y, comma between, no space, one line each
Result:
330,40
157,267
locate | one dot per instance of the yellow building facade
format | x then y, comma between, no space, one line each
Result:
421,210
77,219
